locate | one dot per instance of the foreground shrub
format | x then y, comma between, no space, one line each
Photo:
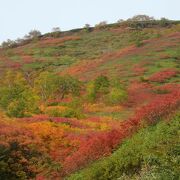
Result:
152,153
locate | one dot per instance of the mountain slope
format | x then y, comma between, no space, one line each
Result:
70,101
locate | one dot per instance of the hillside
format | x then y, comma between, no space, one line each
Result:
101,100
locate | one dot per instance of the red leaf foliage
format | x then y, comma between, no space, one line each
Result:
102,144
163,75
98,145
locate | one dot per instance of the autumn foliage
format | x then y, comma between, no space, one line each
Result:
67,102
102,144
163,75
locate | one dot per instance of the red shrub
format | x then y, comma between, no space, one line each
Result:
160,107
139,70
163,75
98,145
139,93
171,87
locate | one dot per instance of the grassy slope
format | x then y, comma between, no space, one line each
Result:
111,52
100,45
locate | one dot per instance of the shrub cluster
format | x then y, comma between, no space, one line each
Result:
150,154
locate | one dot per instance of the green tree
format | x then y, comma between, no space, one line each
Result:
25,105
45,85
8,44
87,28
101,25
56,32
97,88
12,85
101,84
91,93
164,22
16,97
68,85
49,85
117,93
33,34
141,18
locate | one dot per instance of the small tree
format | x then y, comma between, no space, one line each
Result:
56,32
120,21
97,88
101,25
25,105
101,84
8,44
56,29
117,93
91,93
16,97
50,85
164,22
68,85
45,85
33,34
87,27
141,18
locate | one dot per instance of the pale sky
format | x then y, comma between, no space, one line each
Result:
18,17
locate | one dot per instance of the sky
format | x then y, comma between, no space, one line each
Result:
18,17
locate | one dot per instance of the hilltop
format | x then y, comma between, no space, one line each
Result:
101,102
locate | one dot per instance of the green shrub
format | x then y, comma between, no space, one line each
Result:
16,97
101,84
91,93
16,109
144,79
117,96
97,88
24,106
138,43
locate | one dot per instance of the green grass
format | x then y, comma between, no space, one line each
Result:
16,58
